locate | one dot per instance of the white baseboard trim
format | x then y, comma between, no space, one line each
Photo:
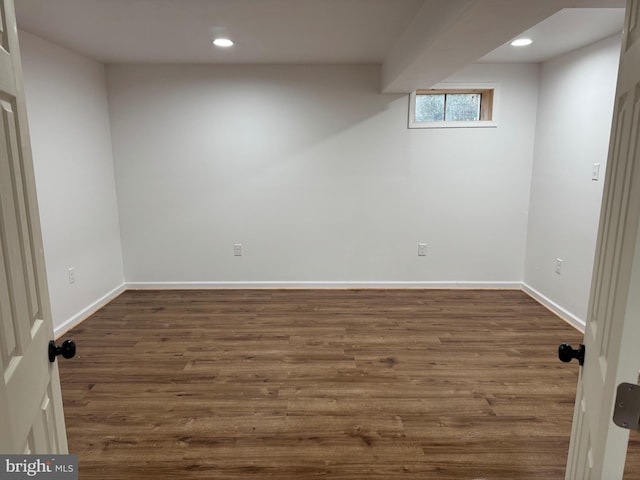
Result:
563,313
321,285
88,311
567,316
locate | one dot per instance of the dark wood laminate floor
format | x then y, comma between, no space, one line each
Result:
301,384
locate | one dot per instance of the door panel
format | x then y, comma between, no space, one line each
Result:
598,447
31,416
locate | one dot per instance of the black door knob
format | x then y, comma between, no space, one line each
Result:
566,353
67,350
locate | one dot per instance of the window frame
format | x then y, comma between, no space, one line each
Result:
441,88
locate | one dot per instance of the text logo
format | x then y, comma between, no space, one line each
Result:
51,467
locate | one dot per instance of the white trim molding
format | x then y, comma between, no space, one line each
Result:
85,313
562,312
337,285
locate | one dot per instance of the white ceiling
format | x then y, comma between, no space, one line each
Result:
567,30
265,31
417,42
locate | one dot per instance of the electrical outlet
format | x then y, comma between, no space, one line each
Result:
72,275
422,249
237,249
559,266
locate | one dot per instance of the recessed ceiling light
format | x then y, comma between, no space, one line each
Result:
222,42
521,42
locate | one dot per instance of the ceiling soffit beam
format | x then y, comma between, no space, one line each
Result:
447,35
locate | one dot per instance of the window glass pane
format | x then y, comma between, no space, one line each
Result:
463,107
429,108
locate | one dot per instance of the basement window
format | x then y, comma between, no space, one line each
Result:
453,106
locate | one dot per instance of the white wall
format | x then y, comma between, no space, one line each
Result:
574,121
317,175
70,134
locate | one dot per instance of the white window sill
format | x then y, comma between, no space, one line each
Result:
477,124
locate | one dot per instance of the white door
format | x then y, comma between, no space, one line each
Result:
31,417
598,447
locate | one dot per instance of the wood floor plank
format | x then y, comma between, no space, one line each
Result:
339,385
